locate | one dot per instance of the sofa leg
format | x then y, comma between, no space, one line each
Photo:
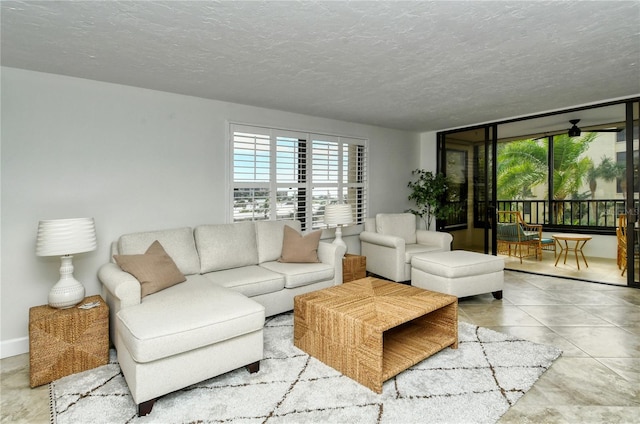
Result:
497,294
144,408
254,367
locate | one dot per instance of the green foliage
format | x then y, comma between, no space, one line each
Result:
569,169
523,165
607,170
429,193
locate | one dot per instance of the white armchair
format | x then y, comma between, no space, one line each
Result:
389,241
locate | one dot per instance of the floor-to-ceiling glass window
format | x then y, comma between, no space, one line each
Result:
568,171
630,186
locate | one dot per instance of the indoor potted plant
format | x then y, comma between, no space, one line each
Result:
429,193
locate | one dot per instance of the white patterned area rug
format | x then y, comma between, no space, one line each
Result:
476,383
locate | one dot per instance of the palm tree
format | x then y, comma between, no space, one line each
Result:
569,168
523,164
607,170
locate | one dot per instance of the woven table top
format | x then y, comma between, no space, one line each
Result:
376,303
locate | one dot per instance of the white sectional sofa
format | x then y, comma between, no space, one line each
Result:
212,322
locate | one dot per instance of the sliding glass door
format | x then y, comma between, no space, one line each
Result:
631,187
467,158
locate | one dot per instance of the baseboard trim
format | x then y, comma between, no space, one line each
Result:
14,347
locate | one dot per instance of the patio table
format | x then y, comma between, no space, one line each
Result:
579,239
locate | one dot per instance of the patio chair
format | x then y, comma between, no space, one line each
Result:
515,235
548,244
622,250
621,235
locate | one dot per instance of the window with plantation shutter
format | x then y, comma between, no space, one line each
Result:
281,174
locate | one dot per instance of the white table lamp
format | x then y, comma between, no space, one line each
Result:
337,215
64,238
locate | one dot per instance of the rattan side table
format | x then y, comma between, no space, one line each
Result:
67,341
354,267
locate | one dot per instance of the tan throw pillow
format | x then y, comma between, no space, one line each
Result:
299,248
155,270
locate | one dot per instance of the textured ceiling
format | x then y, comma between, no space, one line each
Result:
421,65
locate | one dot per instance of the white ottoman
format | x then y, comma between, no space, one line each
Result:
458,273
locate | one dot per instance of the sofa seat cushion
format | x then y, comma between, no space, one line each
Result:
185,317
410,250
458,263
250,280
300,274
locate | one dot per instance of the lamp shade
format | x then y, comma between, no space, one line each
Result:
338,214
59,237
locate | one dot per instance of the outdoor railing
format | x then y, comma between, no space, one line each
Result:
601,213
597,215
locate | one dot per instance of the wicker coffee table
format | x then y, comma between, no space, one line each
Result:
371,330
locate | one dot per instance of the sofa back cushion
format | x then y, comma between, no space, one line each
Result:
397,224
269,236
370,225
178,243
226,246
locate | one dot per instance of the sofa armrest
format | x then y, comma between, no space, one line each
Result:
332,254
382,239
386,255
436,238
121,288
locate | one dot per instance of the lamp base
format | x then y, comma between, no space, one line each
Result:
68,291
338,240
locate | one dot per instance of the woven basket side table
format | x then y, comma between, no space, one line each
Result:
67,341
354,267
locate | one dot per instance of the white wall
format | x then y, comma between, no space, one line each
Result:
134,160
429,151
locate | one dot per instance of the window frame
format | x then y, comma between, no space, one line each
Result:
316,164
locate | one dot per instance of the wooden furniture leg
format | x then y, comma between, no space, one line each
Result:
144,408
254,367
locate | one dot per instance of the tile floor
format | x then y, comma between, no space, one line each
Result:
596,380
602,270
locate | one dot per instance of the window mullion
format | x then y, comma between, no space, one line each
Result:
273,183
340,171
308,173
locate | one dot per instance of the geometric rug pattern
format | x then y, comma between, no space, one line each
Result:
476,383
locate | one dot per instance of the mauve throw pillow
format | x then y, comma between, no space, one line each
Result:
155,270
299,248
